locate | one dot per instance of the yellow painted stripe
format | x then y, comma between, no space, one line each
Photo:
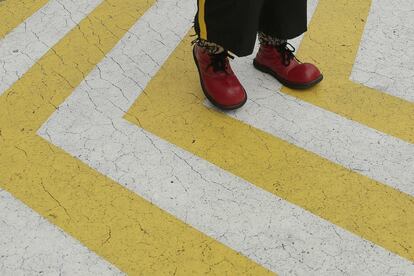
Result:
201,19
332,42
172,108
120,226
12,13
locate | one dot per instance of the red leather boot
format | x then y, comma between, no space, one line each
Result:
218,81
281,63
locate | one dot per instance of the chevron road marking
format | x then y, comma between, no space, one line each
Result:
252,221
23,47
12,13
123,228
332,41
31,245
271,231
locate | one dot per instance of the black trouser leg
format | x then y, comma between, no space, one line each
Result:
283,19
234,24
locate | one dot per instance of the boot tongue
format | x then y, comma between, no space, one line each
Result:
286,51
220,62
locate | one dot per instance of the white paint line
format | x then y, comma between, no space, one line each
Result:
28,42
267,229
30,245
386,55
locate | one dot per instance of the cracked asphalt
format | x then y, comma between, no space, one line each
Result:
112,161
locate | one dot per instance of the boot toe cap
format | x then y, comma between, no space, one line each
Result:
231,96
226,94
304,73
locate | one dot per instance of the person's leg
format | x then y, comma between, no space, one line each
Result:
280,21
232,24
222,26
283,19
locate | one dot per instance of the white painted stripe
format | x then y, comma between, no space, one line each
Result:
267,229
386,55
27,43
30,245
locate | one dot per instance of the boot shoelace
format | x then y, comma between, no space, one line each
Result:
220,62
287,52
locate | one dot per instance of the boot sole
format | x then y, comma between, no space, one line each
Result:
292,85
223,107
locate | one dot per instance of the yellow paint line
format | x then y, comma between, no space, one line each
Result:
172,108
332,42
13,13
118,225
